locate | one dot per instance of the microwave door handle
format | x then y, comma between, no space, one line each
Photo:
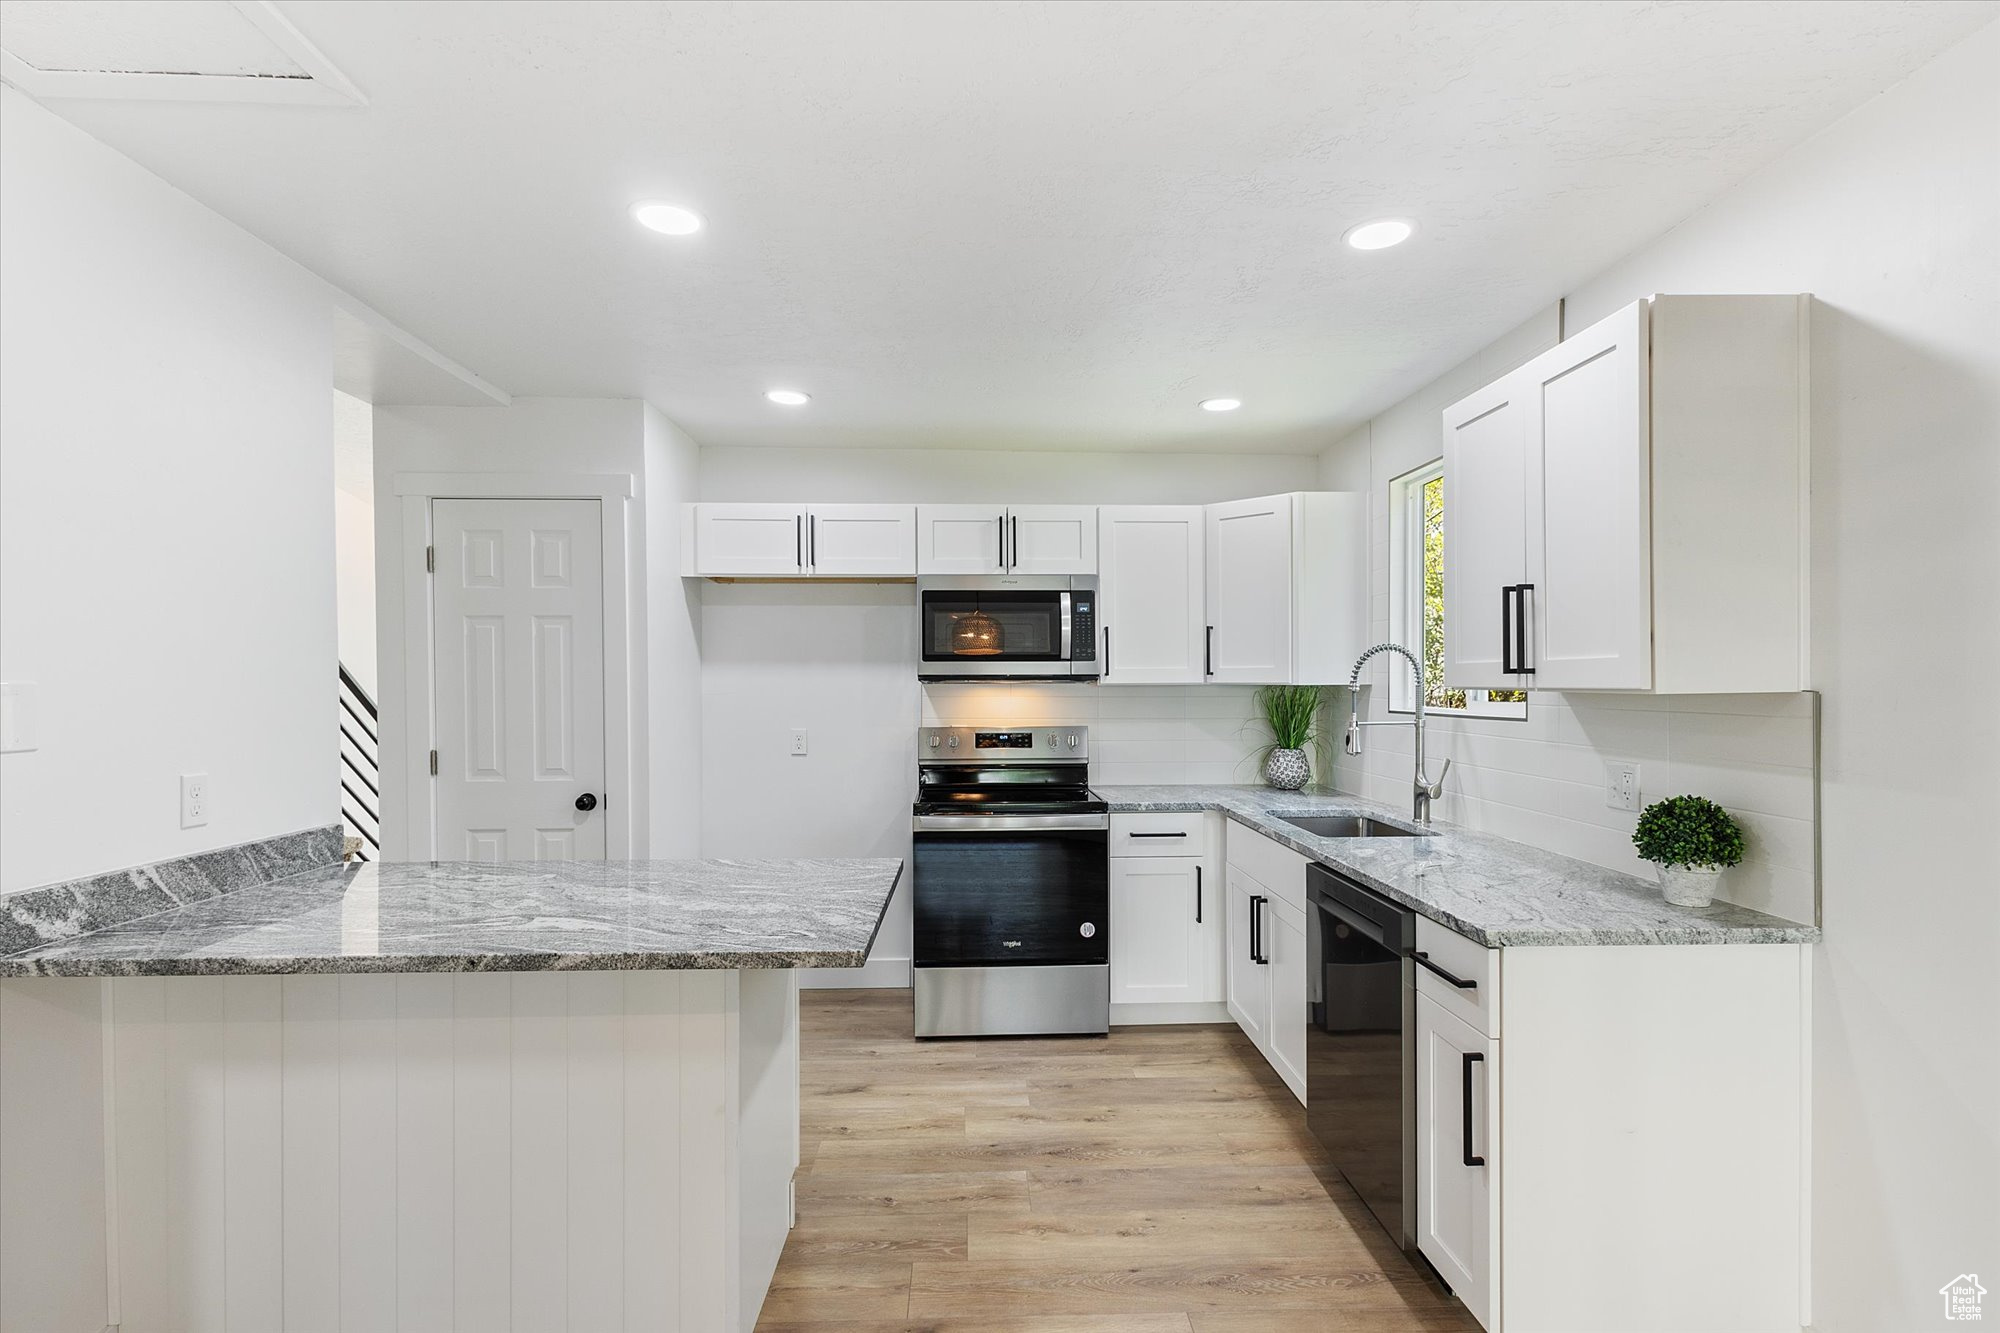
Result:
1062,601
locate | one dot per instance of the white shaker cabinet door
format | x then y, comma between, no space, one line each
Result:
1589,508
749,540
1150,592
1052,539
961,539
1486,534
1458,1166
1247,981
862,541
1284,944
1158,935
1249,603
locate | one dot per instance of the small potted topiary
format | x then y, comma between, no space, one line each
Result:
1292,712
1691,839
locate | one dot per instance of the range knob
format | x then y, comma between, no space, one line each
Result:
1054,740
953,743
1072,740
934,742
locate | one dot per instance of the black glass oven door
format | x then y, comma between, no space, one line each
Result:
993,626
999,896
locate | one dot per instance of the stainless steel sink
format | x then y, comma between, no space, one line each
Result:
1349,826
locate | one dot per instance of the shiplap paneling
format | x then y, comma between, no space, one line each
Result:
530,1151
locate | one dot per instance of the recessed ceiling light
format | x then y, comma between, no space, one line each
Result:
789,397
1379,234
668,219
1221,404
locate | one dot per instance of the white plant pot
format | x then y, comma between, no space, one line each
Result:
1287,770
1689,886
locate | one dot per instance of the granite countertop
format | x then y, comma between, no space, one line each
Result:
511,917
1487,888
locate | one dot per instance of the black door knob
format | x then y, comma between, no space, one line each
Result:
586,802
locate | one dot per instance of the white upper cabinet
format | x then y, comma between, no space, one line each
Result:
1287,588
1627,510
961,539
997,539
1052,539
1150,593
862,541
801,541
749,540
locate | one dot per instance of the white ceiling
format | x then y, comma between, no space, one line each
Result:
1043,226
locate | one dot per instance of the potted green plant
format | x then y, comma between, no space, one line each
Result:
1292,712
1691,839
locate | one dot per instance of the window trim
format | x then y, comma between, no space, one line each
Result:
1406,600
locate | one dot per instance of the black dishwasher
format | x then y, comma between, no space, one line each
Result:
1360,1031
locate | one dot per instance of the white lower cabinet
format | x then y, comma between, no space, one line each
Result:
1166,931
1265,973
1458,1164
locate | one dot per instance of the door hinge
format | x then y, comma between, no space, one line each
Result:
430,560
434,763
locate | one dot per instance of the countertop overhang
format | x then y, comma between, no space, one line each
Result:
1489,889
508,917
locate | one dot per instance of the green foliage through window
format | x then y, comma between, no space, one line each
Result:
1435,693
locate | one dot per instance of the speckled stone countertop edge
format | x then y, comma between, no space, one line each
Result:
1579,903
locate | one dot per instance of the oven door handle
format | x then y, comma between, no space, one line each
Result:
1010,823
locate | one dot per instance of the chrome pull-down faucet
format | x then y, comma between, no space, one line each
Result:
1424,791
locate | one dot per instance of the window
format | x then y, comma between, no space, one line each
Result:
1416,600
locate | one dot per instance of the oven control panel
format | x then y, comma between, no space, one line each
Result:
1002,745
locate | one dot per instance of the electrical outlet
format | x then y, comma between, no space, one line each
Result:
1621,784
798,741
194,800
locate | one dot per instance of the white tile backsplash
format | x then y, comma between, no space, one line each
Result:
1541,780
1138,734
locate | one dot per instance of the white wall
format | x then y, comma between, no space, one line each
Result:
354,536
673,661
1889,219
973,476
1541,779
166,539
840,661
551,438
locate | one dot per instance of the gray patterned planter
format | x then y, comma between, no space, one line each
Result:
1287,770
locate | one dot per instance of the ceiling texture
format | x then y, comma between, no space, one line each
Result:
1041,226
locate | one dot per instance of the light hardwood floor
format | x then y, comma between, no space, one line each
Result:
1160,1180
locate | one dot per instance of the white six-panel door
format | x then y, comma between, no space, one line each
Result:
518,633
1486,535
1150,593
1589,507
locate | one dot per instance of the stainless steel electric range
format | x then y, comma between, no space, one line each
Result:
1010,884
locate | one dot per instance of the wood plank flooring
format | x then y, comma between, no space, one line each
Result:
1160,1180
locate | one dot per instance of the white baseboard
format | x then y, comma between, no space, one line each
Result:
875,974
1139,1015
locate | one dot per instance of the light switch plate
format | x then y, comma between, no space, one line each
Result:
798,741
1621,784
194,800
17,716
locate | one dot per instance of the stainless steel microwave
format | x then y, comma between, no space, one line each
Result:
1002,627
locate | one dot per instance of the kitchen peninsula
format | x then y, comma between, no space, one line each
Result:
572,1101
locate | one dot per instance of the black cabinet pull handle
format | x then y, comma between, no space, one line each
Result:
1253,927
1521,591
1470,1058
1197,895
1208,650
812,540
1257,954
1002,521
1459,982
1107,652
1156,835
799,540
1014,526
1507,667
